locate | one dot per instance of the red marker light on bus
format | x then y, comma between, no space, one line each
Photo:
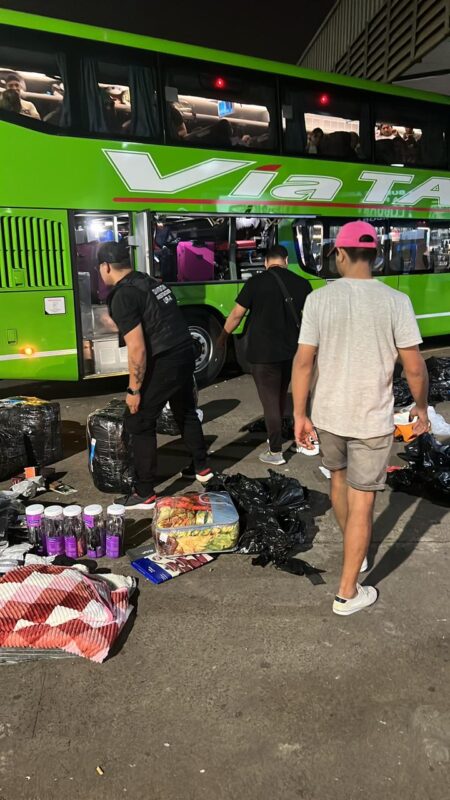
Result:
324,99
220,83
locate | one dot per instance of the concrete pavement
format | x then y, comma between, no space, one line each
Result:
236,681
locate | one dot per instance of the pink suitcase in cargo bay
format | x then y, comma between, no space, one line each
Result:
195,263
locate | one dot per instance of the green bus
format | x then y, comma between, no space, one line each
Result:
201,159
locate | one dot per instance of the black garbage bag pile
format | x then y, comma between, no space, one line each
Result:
428,470
30,434
109,448
271,519
439,374
259,426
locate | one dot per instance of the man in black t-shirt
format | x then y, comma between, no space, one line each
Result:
274,300
161,366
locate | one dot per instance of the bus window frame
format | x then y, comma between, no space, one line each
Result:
194,65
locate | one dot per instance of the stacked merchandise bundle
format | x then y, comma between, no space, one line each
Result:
30,434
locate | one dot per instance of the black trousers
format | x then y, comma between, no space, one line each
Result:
272,382
169,378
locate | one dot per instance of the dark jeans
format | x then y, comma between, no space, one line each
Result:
169,377
272,382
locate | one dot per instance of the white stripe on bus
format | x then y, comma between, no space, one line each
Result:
42,354
429,316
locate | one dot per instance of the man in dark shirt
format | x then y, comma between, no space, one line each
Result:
161,366
274,300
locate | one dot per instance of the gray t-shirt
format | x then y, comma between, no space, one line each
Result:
357,326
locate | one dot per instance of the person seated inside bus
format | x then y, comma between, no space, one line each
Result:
411,146
220,134
54,117
177,125
15,83
314,139
388,144
337,144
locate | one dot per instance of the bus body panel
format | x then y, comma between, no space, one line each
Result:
52,337
430,296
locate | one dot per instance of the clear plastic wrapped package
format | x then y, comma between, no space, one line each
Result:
195,523
109,448
30,433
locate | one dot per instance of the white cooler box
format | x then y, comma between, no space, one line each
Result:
108,356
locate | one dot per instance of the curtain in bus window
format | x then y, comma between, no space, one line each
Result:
144,107
65,117
95,108
294,122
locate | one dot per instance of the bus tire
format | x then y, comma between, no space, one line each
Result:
209,358
240,349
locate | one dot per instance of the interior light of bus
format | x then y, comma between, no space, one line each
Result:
220,83
324,99
28,351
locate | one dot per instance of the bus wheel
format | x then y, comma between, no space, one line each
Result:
209,359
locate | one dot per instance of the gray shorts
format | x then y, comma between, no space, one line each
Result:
364,459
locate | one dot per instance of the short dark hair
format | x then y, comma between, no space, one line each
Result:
14,76
115,253
276,251
368,254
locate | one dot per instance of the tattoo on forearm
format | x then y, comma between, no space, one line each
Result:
137,370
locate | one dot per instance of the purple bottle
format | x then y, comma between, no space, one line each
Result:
115,529
94,531
74,539
53,526
34,516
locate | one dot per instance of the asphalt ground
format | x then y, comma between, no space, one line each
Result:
237,681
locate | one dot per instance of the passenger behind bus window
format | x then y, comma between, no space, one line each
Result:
388,144
314,140
177,125
410,146
15,83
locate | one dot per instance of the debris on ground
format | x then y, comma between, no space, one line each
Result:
428,470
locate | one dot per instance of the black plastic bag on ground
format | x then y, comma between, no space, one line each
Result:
439,373
428,471
402,394
270,512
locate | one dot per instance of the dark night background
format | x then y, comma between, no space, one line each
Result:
267,29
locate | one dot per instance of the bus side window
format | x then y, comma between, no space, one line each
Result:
440,249
326,122
191,249
229,110
408,135
30,94
120,99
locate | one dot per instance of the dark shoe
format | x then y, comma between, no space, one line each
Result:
204,476
137,502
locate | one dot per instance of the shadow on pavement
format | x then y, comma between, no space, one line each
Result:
424,516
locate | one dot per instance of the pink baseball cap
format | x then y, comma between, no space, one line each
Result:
351,233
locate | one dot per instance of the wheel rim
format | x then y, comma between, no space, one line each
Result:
202,347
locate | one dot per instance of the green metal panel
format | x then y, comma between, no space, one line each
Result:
430,296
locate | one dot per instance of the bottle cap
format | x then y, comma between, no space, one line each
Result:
116,510
34,510
72,511
52,512
93,510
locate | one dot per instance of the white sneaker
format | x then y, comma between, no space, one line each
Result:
364,565
366,596
304,451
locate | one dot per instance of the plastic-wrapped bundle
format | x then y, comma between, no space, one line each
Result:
109,448
30,433
439,373
165,424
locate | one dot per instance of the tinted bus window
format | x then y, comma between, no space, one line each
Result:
440,249
191,249
411,135
120,99
409,248
325,123
314,241
219,109
32,85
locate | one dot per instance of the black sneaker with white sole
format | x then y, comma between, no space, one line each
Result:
137,502
203,476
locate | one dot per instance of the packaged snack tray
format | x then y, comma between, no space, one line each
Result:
195,523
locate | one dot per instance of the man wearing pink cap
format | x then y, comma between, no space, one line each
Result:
352,332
